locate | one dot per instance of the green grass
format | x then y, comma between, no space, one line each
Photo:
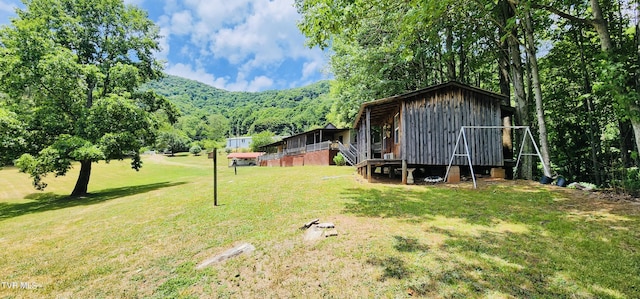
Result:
141,234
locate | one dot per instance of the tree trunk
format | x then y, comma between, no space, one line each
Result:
83,179
600,24
636,126
635,123
638,49
505,89
463,61
589,105
450,55
537,91
517,81
626,142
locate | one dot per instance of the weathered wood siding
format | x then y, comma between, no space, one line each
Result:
362,143
433,123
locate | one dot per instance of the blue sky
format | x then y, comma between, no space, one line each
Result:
239,45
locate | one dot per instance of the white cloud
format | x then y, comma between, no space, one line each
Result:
218,13
199,74
260,83
253,36
170,6
165,46
266,37
257,84
310,68
7,7
181,23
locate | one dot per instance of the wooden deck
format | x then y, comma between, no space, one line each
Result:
367,168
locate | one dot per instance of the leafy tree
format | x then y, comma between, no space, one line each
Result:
619,60
261,139
217,126
173,140
12,142
69,70
194,126
195,150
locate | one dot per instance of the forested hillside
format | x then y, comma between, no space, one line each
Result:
239,113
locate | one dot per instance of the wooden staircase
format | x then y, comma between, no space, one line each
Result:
349,153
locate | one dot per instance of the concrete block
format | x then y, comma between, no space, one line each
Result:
497,173
454,175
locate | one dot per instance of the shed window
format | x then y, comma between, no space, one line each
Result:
396,128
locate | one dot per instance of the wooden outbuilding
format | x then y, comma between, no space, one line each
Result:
419,129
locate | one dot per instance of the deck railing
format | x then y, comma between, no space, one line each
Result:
350,153
298,150
268,157
318,146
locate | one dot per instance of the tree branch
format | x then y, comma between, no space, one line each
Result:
563,14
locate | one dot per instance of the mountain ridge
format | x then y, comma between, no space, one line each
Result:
285,111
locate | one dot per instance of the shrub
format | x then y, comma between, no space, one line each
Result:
631,181
339,160
195,150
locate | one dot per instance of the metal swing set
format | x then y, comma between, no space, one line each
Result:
463,136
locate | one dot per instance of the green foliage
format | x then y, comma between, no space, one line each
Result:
69,71
200,127
195,150
384,48
628,181
339,160
172,140
208,145
12,136
213,113
631,181
261,139
57,158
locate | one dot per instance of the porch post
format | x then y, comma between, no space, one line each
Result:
368,128
404,172
403,129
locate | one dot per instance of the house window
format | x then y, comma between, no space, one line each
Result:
396,128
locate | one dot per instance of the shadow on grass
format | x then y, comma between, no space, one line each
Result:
476,207
394,267
557,256
41,202
404,244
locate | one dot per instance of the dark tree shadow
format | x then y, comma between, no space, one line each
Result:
393,267
41,202
409,245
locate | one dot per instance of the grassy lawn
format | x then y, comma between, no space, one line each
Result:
141,234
